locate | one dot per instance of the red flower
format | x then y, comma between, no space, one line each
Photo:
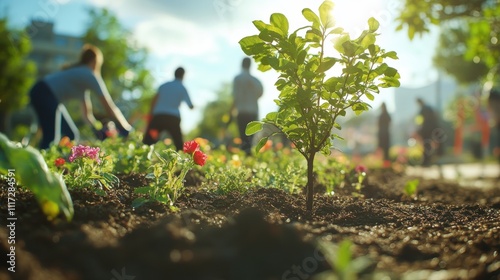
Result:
59,162
153,133
199,158
190,147
360,168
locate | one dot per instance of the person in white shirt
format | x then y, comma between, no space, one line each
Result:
246,92
73,82
165,114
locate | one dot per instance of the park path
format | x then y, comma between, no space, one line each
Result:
467,174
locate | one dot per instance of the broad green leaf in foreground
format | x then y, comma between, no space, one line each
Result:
32,172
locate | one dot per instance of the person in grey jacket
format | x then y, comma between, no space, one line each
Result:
73,82
246,92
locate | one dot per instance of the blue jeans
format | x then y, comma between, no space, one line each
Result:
45,104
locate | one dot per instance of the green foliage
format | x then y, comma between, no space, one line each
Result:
311,96
216,123
167,179
411,187
16,72
90,174
484,39
481,16
417,15
451,56
224,180
340,258
27,165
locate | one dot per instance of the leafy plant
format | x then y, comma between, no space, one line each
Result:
229,179
340,258
311,96
88,170
168,183
28,167
411,187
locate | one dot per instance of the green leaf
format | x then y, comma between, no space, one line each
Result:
281,22
411,187
259,24
391,54
325,14
272,116
373,24
368,40
370,96
339,42
249,42
253,127
337,30
261,144
391,72
32,171
142,190
138,202
326,64
344,256
311,17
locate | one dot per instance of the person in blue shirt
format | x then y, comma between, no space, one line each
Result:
246,92
165,114
73,82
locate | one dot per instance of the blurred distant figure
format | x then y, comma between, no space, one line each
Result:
164,113
384,138
73,82
428,121
246,92
494,108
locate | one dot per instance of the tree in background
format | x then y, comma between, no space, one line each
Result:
481,16
16,72
451,56
216,124
124,69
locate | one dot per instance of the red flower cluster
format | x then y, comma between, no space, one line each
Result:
193,148
59,162
360,169
190,147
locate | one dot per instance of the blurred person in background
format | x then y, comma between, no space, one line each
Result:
428,122
73,82
384,137
246,92
165,114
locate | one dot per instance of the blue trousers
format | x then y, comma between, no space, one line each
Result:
45,104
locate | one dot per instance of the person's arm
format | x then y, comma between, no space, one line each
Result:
188,100
88,113
114,111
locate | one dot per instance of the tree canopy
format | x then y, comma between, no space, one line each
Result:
16,71
478,42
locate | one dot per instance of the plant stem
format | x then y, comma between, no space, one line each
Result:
310,181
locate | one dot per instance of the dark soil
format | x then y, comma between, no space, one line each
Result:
446,232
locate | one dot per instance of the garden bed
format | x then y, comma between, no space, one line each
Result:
446,232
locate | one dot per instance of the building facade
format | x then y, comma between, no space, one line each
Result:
51,51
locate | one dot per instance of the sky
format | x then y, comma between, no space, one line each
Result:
202,36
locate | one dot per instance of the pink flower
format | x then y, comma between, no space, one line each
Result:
190,147
199,158
81,151
59,162
360,168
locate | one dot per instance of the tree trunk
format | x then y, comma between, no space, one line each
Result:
310,182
